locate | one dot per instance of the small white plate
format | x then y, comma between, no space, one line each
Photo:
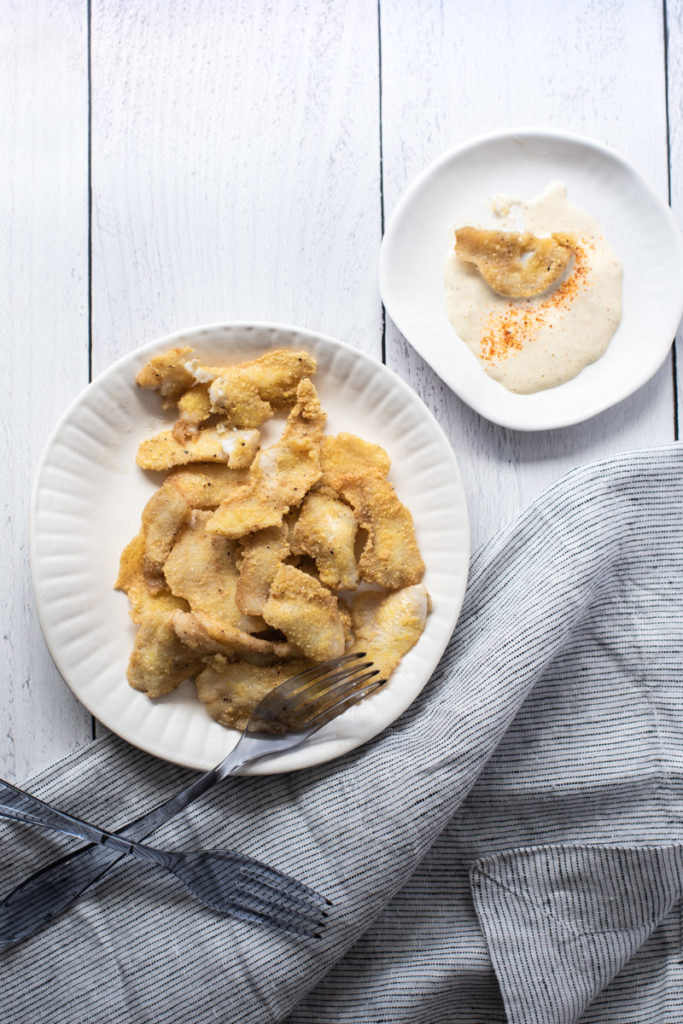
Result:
637,224
87,501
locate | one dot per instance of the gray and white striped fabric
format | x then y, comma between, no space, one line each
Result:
511,849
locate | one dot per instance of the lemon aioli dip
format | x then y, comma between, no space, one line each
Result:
532,344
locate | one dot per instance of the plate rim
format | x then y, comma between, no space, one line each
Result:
270,765
536,133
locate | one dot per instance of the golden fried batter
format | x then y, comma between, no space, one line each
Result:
262,553
386,626
347,455
248,393
206,485
326,530
307,613
391,556
236,448
205,635
280,475
194,407
231,690
513,265
162,517
201,568
130,578
132,581
159,661
167,374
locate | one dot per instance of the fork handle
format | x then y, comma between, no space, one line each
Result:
47,893
18,805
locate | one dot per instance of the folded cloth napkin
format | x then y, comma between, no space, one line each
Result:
510,849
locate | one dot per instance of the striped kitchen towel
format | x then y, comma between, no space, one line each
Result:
510,849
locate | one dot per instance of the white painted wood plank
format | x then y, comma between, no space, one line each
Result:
674,21
43,267
235,155
452,71
235,168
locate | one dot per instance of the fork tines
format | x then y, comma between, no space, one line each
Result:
267,896
326,689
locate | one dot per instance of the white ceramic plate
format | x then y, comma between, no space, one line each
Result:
637,224
87,501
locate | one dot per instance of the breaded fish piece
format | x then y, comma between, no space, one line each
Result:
391,556
347,455
326,530
204,635
262,554
194,405
205,485
235,448
201,569
162,518
281,475
167,374
160,661
307,613
386,626
516,266
231,690
194,408
248,393
131,580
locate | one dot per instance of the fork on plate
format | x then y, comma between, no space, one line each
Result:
228,882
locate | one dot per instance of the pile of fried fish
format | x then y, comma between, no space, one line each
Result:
254,563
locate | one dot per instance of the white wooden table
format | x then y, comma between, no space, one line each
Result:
165,163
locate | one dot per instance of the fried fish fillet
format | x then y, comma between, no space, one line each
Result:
130,578
280,476
162,518
231,690
262,554
159,661
391,556
205,485
357,471
236,448
132,581
326,531
347,455
517,266
167,374
248,393
204,635
201,569
386,626
307,613
194,408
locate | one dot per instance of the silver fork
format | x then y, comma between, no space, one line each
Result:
292,712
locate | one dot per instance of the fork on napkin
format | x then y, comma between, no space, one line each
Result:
509,850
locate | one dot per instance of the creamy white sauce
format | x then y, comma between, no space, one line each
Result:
531,344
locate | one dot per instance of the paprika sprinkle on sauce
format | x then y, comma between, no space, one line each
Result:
521,321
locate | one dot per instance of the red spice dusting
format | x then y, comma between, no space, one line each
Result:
522,320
